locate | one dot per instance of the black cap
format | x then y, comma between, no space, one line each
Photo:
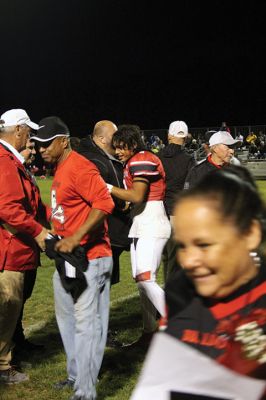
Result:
50,128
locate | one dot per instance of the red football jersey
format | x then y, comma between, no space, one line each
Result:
147,165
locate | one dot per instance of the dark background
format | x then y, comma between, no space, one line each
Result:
134,61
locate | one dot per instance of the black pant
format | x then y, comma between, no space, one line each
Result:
117,251
170,264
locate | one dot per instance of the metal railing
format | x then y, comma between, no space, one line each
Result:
198,133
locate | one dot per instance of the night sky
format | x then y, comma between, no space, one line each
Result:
134,61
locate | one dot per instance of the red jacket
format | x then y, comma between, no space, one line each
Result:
19,202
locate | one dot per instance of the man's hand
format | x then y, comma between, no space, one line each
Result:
40,239
67,245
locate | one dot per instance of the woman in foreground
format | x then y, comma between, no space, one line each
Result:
217,304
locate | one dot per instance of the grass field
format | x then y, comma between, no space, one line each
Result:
120,367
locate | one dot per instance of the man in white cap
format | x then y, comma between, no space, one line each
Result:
21,236
221,146
177,163
17,118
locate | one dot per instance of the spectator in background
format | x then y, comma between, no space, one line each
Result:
262,150
253,150
194,145
188,140
21,235
240,138
207,150
225,128
29,153
261,137
177,163
156,144
98,149
251,138
221,146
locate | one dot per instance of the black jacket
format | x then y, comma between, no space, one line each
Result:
210,326
176,162
111,171
198,172
78,259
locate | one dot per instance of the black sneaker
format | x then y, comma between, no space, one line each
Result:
67,383
113,342
12,377
28,346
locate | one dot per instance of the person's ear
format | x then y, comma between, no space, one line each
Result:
65,142
254,235
102,139
18,131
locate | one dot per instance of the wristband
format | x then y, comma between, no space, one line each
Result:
109,187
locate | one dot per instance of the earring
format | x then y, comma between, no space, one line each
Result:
256,258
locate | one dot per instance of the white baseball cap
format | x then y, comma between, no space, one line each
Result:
222,137
17,117
178,129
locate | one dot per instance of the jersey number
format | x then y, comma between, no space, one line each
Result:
57,210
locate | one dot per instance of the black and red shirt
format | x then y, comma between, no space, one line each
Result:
231,330
146,165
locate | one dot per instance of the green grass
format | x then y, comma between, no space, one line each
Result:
120,368
44,185
262,188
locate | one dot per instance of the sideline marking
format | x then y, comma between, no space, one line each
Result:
40,325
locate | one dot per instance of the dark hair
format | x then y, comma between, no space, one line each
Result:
236,193
129,136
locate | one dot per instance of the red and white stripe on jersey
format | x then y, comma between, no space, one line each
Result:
146,168
149,166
